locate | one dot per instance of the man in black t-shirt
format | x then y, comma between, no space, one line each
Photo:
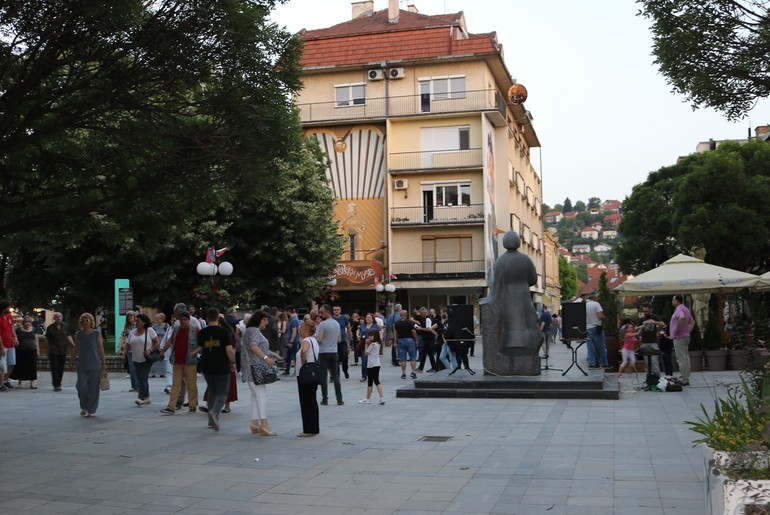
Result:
216,346
406,336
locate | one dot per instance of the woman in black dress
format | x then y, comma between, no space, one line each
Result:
26,354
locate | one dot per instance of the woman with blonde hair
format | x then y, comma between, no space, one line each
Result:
90,365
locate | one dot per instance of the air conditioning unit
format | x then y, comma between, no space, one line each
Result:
396,73
401,184
376,75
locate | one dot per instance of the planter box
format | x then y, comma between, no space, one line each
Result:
739,359
696,360
733,497
716,360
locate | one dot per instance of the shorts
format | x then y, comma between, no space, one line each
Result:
406,347
10,356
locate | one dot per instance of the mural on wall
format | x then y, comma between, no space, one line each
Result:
489,209
356,174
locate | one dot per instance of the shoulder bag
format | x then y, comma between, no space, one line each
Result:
261,372
153,356
311,373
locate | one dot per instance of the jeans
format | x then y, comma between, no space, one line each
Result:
682,351
132,371
342,356
87,386
57,368
364,362
595,345
448,357
219,386
143,378
329,365
291,352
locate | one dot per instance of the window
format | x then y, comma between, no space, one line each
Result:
350,94
452,195
443,87
465,138
446,249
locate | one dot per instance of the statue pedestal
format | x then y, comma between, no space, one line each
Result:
522,359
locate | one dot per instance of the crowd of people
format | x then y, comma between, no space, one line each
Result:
222,347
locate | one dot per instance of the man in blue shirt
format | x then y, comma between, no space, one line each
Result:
390,334
292,341
342,344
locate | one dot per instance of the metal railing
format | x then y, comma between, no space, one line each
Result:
383,107
431,215
441,159
436,267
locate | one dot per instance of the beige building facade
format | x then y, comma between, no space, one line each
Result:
429,156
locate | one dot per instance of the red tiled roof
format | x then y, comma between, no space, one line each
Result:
370,39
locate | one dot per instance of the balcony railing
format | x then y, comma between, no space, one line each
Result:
437,269
435,215
383,107
438,159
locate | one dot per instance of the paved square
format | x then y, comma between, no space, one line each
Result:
566,457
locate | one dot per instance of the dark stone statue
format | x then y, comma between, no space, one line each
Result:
511,336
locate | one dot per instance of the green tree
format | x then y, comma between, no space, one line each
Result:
580,206
594,203
567,207
715,200
609,301
582,272
547,208
714,52
567,279
133,134
103,100
558,207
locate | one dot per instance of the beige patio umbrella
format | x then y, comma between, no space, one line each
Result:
763,283
686,274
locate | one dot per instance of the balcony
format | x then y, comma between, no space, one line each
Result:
472,214
426,270
489,101
435,160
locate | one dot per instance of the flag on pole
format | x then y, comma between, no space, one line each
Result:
212,254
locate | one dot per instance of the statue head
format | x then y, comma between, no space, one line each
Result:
511,240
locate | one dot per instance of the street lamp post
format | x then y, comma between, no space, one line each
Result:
388,293
209,268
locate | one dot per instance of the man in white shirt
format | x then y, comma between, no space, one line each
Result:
595,344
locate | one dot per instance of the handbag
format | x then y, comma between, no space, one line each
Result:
311,373
154,355
104,381
262,373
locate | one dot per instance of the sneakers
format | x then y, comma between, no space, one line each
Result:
146,401
213,422
324,402
340,403
413,375
8,385
167,390
191,410
167,411
138,402
364,401
432,371
83,413
203,409
382,401
3,388
403,376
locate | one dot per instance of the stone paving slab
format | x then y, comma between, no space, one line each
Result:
522,456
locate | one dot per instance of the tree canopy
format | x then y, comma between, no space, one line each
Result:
135,133
715,200
566,206
715,52
568,279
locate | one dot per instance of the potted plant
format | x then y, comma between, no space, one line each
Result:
696,350
716,354
736,453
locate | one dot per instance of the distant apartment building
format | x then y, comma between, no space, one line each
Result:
429,154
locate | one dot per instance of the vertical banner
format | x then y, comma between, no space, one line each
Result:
124,302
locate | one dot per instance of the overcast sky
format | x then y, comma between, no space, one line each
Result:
604,115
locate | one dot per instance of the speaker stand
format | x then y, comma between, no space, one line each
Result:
545,357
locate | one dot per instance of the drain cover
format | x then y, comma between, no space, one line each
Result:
434,439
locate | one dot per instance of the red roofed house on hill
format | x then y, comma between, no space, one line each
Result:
429,153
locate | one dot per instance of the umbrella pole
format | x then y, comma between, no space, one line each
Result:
721,315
